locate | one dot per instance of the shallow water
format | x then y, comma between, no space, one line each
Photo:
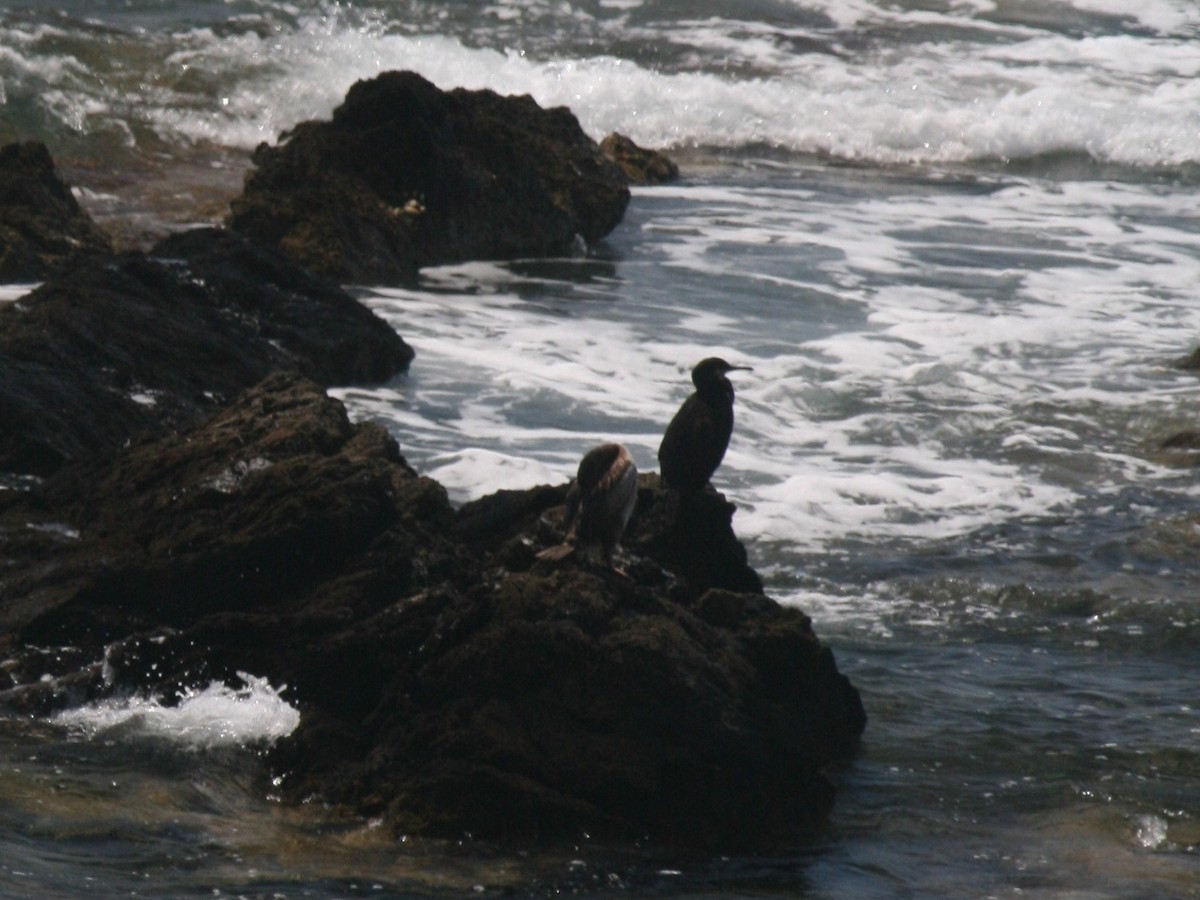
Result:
958,245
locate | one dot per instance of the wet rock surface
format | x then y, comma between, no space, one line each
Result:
42,226
181,503
109,347
406,175
448,681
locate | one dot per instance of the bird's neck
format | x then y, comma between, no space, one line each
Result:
717,392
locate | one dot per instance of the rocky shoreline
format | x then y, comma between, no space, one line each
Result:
183,502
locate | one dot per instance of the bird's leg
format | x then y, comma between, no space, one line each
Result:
672,508
610,560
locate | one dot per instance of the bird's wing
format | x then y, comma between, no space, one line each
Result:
595,465
620,487
691,448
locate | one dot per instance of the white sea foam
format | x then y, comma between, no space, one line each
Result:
217,716
461,473
1162,16
10,293
961,86
926,364
1150,831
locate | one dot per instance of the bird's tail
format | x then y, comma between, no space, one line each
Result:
557,552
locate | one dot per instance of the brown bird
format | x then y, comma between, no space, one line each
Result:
695,441
600,503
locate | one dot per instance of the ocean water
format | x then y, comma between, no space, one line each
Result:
958,243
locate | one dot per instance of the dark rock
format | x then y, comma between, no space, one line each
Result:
406,175
692,535
1191,362
42,226
640,166
110,347
447,681
325,334
1179,450
271,505
1182,440
556,704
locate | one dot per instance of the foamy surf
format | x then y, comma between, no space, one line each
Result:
926,366
932,104
217,716
10,293
854,80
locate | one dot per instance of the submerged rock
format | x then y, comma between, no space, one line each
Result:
1181,449
112,346
42,226
1191,362
640,166
448,681
406,175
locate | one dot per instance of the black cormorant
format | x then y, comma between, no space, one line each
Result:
696,439
601,502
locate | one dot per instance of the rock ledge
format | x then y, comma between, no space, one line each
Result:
447,680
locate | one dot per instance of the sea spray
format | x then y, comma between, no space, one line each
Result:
217,716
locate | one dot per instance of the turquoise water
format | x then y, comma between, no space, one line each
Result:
957,244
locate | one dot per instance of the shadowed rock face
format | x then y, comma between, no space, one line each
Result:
247,513
555,704
447,680
41,224
406,175
111,346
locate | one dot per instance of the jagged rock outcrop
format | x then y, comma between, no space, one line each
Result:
250,511
448,681
406,175
111,346
42,226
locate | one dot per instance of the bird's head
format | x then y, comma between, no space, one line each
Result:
712,371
